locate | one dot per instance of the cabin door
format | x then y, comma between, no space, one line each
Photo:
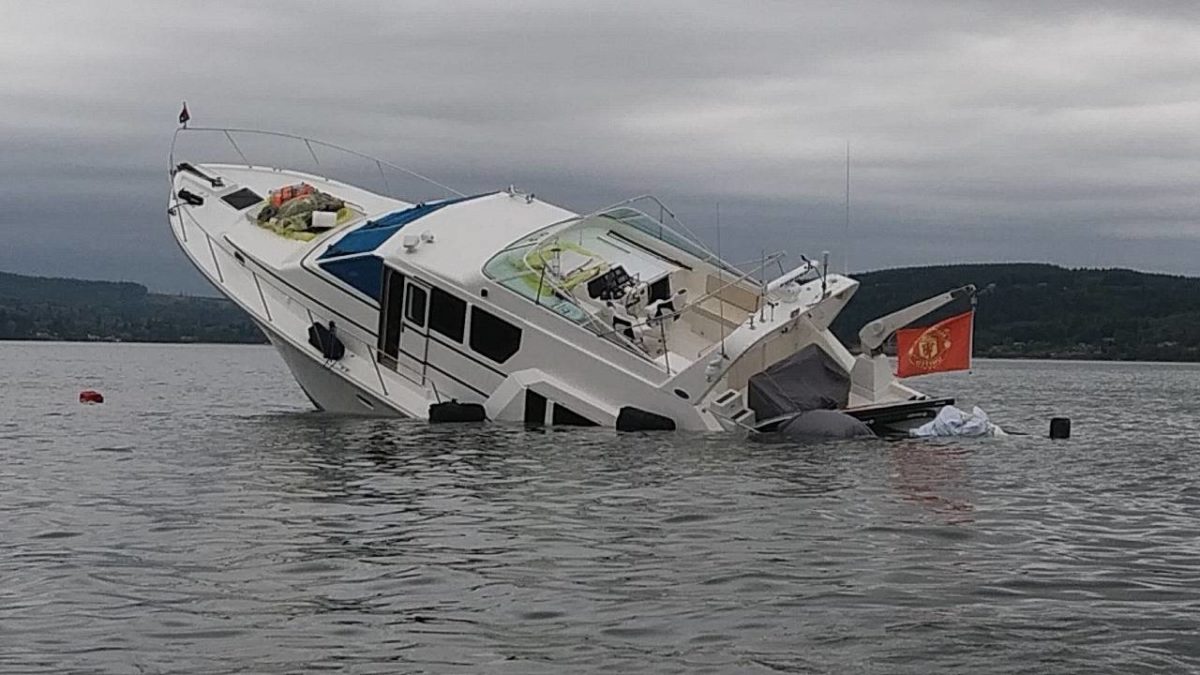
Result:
413,337
390,314
403,354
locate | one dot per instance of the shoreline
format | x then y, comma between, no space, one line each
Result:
264,343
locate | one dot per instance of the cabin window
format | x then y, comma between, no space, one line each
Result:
535,408
492,336
660,290
414,306
564,415
447,314
364,273
389,317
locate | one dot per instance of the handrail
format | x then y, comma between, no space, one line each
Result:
308,142
687,233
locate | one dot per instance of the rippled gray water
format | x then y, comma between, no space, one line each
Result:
202,520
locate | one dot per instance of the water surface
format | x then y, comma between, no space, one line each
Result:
203,520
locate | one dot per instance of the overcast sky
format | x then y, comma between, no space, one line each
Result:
978,131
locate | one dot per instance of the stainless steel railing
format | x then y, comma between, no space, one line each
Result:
312,145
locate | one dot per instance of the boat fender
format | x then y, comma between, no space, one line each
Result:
452,411
1060,427
326,341
636,419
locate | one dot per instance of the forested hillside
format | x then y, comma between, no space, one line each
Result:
1025,310
38,308
1033,310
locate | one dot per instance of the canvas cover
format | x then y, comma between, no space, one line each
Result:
808,380
951,421
825,424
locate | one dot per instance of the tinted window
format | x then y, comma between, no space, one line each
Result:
364,273
493,337
414,308
564,415
660,290
447,314
535,408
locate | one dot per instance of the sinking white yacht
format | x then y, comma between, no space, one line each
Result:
532,312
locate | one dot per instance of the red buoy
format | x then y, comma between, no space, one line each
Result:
90,396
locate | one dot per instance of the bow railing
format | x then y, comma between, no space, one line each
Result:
306,154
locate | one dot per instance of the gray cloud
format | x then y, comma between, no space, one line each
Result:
979,130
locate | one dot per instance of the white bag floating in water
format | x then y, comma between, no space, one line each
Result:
951,421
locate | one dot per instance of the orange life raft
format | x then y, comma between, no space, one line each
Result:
290,192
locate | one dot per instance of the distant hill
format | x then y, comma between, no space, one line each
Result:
39,308
1025,310
1044,311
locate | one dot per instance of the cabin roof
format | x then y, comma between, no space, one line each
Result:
467,233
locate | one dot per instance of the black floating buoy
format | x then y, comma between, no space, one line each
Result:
1060,427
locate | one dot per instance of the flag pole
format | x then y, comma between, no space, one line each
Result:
971,354
720,280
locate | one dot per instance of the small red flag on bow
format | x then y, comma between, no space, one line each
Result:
183,115
942,347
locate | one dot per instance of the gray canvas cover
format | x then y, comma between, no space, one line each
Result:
808,380
825,424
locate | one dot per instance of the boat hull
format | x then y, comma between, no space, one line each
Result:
328,391
521,362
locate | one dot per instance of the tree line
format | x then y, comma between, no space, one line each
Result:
1045,311
1024,310
39,308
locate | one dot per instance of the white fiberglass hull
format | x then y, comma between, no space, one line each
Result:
328,391
525,356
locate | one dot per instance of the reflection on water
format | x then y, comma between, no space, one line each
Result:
933,474
203,520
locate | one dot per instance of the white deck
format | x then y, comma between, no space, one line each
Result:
223,222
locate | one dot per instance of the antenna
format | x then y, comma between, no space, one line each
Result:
720,280
762,288
846,232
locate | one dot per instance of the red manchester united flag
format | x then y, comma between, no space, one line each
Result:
944,346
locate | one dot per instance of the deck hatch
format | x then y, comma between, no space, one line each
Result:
242,199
